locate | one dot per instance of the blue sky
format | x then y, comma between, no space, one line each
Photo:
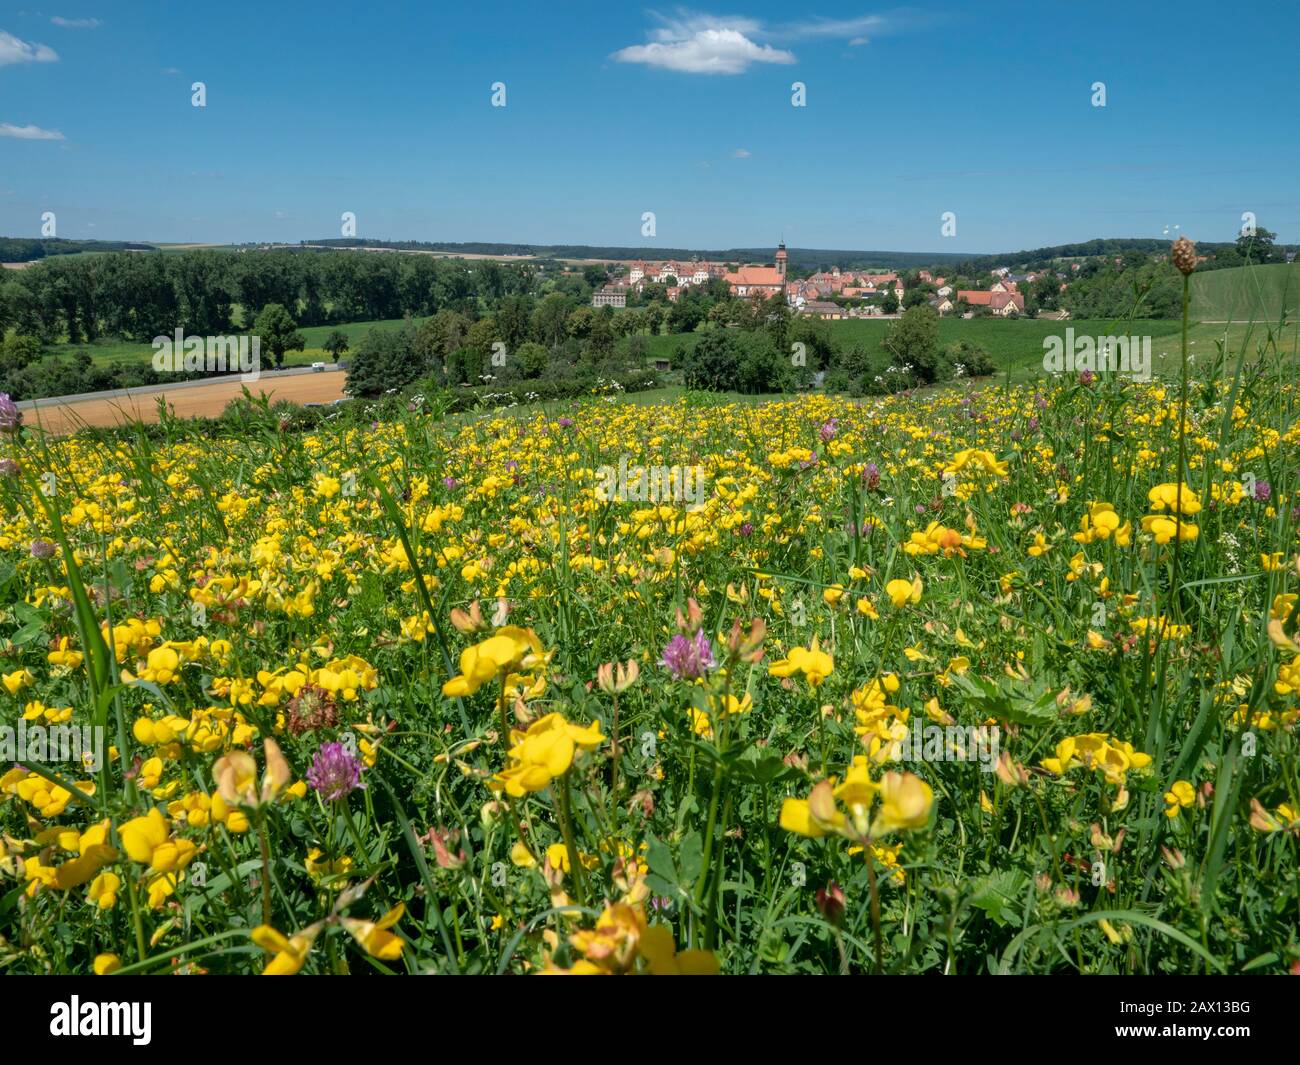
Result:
612,110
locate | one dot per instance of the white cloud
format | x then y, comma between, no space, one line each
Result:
29,133
76,23
740,153
835,29
703,44
695,43
12,50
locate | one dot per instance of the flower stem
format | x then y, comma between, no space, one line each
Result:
266,870
1182,458
875,905
566,827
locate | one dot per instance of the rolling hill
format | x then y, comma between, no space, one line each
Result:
1247,293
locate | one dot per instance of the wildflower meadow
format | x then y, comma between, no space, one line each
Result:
991,678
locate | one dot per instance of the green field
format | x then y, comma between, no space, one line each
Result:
1015,345
1247,293
110,352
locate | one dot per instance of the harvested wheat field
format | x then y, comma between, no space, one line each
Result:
185,401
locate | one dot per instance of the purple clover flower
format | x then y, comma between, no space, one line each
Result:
688,657
11,418
42,549
1263,491
335,773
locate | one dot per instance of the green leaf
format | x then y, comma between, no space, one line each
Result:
660,861
692,859
998,895
27,634
1002,701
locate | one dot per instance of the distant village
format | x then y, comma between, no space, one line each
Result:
830,294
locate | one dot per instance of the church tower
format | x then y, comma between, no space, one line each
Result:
781,258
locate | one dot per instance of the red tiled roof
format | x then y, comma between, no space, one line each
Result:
756,275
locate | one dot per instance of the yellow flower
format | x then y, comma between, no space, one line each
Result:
611,946
236,776
940,539
333,870
106,963
148,840
1165,529
64,655
814,663
290,951
1098,524
905,804
103,890
701,724
1180,794
1285,819
905,801
976,457
662,957
374,936
902,592
1111,757
17,680
796,816
1166,497
544,752
509,650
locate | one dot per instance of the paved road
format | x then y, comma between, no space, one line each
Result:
185,399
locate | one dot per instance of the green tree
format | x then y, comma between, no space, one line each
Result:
1257,248
530,360
729,361
654,317
913,341
973,359
713,364
385,358
278,332
548,324
581,322
512,320
335,344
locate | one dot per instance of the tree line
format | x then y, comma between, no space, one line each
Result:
137,296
